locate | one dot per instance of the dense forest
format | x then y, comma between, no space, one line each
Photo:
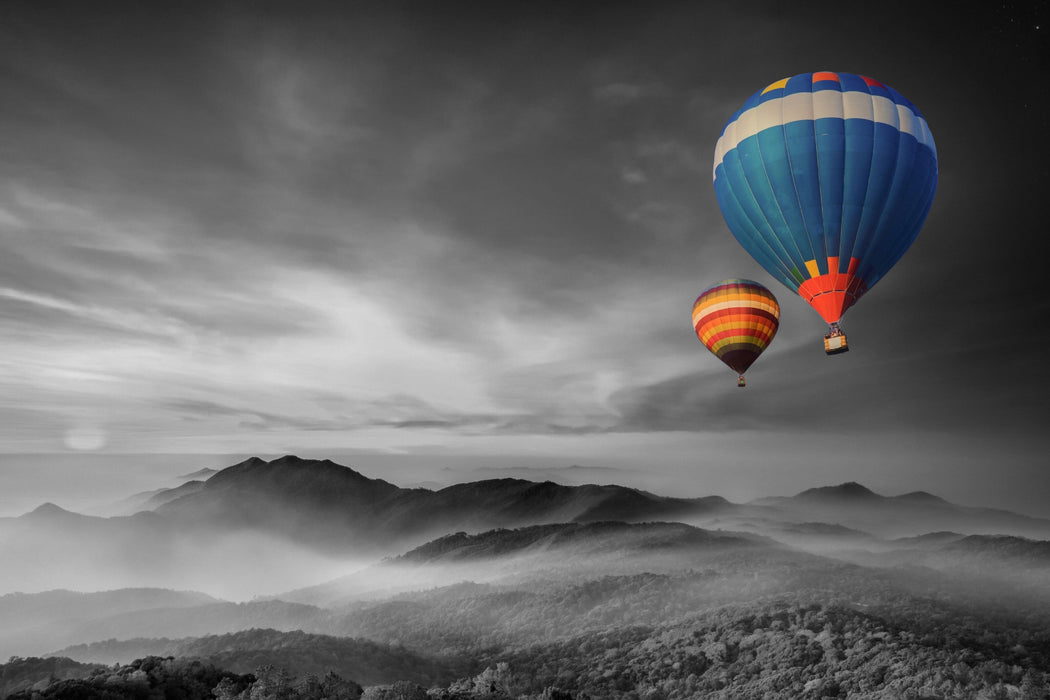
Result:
778,649
303,653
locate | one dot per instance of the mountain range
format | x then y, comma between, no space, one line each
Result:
334,508
291,522
434,581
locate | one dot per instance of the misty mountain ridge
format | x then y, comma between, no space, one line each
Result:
621,538
333,508
321,503
851,490
550,552
289,523
907,515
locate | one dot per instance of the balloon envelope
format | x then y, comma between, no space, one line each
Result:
736,320
826,179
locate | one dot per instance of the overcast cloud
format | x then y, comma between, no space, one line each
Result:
241,227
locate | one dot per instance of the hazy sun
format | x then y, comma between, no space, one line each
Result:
85,438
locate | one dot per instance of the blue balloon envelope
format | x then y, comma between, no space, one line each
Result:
826,179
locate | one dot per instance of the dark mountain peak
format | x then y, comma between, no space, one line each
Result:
254,489
289,468
848,490
49,510
239,468
50,514
920,497
295,460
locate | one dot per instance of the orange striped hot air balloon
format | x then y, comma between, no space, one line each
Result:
736,320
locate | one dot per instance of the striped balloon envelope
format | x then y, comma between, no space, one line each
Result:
826,179
736,320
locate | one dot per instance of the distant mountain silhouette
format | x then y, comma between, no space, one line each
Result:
333,508
150,500
920,496
51,516
848,490
168,495
329,505
262,515
855,506
199,475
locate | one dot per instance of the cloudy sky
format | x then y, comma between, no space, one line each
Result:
472,233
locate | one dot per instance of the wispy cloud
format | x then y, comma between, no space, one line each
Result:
227,227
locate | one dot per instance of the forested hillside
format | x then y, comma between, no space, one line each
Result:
305,654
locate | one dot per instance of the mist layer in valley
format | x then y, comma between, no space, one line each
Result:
311,566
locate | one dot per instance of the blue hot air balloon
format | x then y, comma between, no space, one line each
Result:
826,179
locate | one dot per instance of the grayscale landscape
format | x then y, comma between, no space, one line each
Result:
346,350
516,588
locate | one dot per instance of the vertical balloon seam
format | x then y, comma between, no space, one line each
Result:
730,184
790,169
850,223
847,173
816,155
811,196
848,238
865,244
875,199
822,171
773,191
818,185
841,160
800,261
844,255
868,270
792,262
876,267
763,226
754,201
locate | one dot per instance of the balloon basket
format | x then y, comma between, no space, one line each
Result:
835,342
740,381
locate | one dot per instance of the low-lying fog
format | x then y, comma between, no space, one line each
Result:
235,566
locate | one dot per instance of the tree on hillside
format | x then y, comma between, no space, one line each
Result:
401,690
273,683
